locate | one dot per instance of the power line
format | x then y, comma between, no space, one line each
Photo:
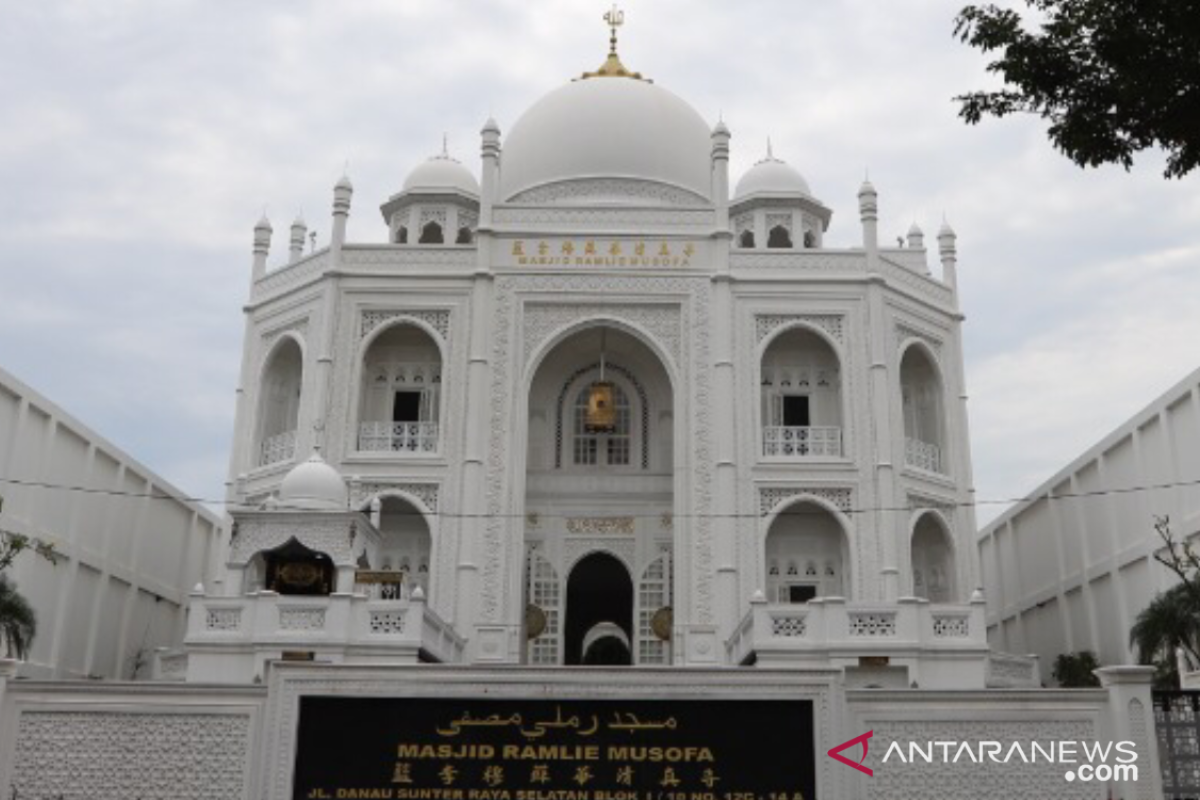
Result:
731,515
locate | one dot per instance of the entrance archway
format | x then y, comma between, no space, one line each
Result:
599,600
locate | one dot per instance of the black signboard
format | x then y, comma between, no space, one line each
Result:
475,749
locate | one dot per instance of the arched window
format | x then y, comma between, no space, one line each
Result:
464,236
932,561
810,240
921,399
279,404
801,397
431,234
746,239
804,536
402,235
779,237
400,394
601,449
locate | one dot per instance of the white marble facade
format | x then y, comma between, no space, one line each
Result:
790,432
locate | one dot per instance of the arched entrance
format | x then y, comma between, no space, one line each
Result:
599,611
600,521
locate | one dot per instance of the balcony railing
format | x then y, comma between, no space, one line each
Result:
802,442
923,455
277,448
832,623
398,437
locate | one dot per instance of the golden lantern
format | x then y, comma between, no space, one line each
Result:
601,414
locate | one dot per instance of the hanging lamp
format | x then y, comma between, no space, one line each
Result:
601,416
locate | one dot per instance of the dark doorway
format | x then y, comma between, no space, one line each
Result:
598,590
406,407
795,411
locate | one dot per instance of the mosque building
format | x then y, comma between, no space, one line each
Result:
595,481
594,407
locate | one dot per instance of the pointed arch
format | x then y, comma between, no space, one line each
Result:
923,407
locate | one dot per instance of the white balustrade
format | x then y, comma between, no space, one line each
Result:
832,623
278,448
398,437
393,626
789,441
381,584
923,455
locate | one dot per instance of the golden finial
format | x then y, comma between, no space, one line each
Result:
612,66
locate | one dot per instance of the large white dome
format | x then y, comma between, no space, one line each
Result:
608,127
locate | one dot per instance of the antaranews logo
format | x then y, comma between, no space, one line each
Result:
1085,761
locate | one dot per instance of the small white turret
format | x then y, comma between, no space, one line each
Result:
948,249
916,237
868,210
343,190
262,246
490,171
296,244
720,173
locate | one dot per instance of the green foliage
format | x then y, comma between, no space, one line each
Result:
1074,670
1171,621
1111,78
18,623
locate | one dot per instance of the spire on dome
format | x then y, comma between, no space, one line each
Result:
612,66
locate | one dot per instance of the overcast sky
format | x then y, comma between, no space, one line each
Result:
141,139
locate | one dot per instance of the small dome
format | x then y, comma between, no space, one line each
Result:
608,127
771,176
313,486
440,174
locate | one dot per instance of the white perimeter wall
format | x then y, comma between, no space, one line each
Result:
1071,568
128,561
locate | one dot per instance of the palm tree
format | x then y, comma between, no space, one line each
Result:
18,623
1171,621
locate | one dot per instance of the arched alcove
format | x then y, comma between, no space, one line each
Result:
933,560
279,403
807,555
801,397
746,239
406,547
400,395
921,401
293,569
588,477
431,233
779,237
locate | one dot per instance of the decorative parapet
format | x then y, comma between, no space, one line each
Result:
400,627
899,268
290,276
826,624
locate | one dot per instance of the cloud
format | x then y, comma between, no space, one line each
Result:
143,139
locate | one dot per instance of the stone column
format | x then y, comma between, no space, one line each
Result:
1131,719
886,533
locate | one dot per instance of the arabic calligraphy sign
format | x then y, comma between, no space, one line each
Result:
468,749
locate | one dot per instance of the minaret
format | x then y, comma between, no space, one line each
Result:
916,237
262,246
296,248
490,171
868,210
720,173
343,190
948,249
